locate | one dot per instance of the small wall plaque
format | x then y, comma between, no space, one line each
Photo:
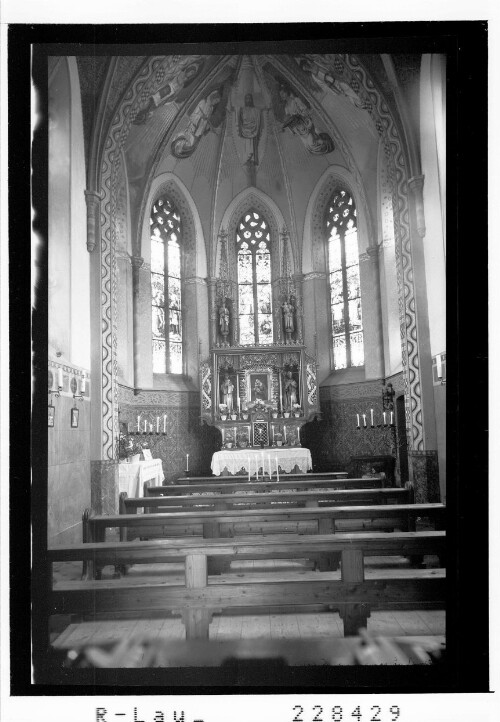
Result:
75,413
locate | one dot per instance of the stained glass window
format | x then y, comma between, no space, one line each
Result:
254,280
345,293
165,228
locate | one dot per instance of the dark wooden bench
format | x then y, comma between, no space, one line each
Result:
332,475
253,499
227,487
353,595
211,523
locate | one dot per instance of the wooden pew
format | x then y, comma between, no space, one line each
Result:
352,595
326,475
228,487
251,499
327,519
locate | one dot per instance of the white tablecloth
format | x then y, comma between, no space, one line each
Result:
254,460
133,476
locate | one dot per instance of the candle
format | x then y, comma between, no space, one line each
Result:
157,424
392,414
248,466
371,414
262,457
164,423
277,470
82,385
357,416
439,367
298,434
384,414
145,425
269,465
272,427
281,392
234,436
364,420
223,436
139,423
150,428
187,462
256,467
284,432
60,378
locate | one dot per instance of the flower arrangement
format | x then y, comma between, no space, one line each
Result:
127,446
223,410
297,409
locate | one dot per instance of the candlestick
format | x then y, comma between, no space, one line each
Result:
284,433
371,415
357,416
272,428
392,414
157,424
187,462
145,425
298,434
248,465
82,385
150,428
364,420
234,430
164,423
60,378
277,470
384,414
139,423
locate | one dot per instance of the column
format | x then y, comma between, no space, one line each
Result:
317,330
371,309
195,325
141,303
212,303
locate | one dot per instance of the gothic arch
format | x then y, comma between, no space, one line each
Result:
313,251
252,198
195,259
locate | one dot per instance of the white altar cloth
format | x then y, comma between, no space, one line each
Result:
133,476
256,460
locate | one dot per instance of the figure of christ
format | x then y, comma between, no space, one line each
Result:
224,319
227,388
290,391
288,316
249,123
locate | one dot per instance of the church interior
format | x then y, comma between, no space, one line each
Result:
246,297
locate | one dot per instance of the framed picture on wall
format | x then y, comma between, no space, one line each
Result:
52,412
75,413
148,456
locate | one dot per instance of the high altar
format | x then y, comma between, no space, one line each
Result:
258,395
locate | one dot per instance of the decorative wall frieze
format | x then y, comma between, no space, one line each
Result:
153,397
360,390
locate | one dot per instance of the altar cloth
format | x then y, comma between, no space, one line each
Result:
133,476
258,461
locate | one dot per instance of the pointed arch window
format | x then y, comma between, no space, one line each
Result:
255,313
345,294
166,243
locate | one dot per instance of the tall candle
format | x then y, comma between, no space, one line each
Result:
281,391
234,436
298,434
371,415
272,427
384,415
157,424
164,423
284,432
392,414
439,367
277,470
357,416
139,423
248,466
256,467
145,425
60,378
187,462
150,428
364,420
82,385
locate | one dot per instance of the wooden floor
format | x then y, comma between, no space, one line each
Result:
248,626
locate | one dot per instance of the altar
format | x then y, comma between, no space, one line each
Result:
261,462
133,476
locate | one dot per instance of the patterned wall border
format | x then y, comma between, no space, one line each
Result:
172,399
361,390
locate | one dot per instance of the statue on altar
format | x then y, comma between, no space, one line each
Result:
290,391
288,319
224,320
227,389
